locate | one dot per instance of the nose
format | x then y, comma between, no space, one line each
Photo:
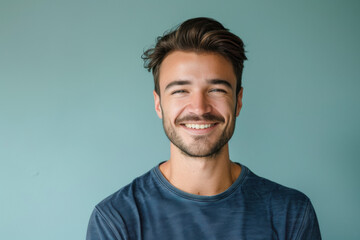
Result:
199,104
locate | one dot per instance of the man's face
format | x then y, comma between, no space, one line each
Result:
198,103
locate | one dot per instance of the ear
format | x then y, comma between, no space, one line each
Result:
239,102
157,104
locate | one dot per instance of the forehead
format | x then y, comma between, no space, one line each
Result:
195,67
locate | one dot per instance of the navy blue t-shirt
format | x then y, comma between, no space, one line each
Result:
251,208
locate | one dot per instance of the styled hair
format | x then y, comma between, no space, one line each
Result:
199,35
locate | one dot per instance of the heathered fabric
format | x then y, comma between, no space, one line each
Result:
252,208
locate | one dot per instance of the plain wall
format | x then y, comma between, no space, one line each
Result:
77,120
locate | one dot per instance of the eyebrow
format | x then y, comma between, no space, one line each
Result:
177,82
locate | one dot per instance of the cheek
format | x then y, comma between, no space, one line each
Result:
171,110
225,107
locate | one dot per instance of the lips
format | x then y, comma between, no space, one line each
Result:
199,124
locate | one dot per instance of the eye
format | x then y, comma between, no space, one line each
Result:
218,90
178,92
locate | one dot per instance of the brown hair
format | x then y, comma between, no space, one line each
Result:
200,35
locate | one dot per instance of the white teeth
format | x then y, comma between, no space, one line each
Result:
198,126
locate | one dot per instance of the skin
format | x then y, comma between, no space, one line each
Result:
198,88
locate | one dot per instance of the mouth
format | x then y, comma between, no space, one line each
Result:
198,126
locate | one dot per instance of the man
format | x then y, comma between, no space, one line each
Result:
199,193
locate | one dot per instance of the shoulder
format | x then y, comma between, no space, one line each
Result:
289,210
108,218
127,195
270,191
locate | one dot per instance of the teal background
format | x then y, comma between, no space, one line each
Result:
77,120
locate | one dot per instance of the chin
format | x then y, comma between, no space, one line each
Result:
200,153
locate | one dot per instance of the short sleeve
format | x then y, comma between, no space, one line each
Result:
100,229
310,226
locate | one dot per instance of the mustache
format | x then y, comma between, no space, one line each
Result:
204,117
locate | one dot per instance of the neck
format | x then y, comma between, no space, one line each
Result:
205,176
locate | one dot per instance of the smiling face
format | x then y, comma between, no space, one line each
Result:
198,103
